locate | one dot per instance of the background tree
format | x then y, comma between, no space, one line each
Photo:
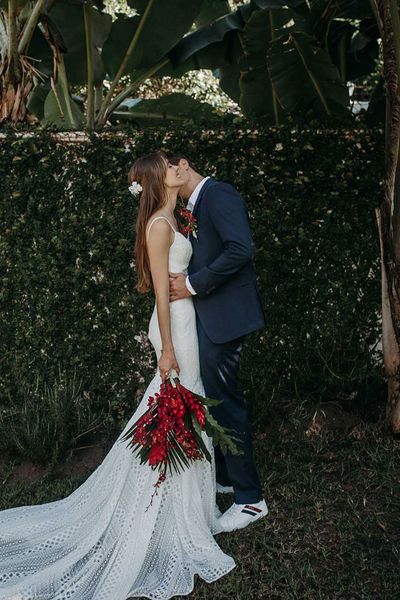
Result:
50,46
275,59
388,214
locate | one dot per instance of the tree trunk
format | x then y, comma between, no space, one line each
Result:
387,13
391,353
17,71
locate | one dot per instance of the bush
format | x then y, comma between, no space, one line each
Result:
67,271
49,421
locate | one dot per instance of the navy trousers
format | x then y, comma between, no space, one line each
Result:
219,369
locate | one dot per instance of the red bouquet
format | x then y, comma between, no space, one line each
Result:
168,434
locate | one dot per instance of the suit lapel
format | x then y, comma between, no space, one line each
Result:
199,197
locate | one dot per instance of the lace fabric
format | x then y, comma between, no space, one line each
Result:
98,543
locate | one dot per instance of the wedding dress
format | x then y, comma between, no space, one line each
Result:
100,543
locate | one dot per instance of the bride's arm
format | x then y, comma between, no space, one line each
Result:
158,245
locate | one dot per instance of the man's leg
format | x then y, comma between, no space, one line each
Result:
219,367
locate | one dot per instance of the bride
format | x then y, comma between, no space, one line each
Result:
100,543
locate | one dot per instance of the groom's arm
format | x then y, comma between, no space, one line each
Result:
229,216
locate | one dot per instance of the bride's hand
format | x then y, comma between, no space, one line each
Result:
167,363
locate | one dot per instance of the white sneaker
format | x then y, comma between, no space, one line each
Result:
224,489
241,515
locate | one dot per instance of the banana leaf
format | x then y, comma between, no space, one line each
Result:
305,78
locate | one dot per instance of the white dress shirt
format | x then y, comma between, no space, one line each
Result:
190,206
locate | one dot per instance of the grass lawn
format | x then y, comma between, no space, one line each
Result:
334,525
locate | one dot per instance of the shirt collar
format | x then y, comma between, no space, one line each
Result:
195,194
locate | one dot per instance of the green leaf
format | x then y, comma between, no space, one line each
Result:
209,47
179,455
37,98
18,3
229,72
305,78
340,34
351,9
212,10
354,52
64,113
222,436
40,50
155,39
198,430
208,401
278,3
66,22
258,97
172,106
363,52
377,104
175,462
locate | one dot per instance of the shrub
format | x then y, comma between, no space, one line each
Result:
67,289
49,420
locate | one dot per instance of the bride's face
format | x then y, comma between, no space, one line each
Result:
173,178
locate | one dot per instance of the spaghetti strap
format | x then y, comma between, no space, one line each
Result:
156,219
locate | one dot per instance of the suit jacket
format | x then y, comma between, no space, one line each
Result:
221,269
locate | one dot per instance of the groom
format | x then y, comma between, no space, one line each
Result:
222,281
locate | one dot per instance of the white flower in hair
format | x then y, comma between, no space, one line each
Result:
135,188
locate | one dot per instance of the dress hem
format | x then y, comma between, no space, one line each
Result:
187,592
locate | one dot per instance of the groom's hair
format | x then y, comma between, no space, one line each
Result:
175,157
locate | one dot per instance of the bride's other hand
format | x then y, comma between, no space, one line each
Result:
167,363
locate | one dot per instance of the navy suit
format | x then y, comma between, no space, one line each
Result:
228,307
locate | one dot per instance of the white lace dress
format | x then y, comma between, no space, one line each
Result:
98,543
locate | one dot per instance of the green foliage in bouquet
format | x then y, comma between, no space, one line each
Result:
169,433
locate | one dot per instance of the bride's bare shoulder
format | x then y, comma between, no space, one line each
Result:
159,227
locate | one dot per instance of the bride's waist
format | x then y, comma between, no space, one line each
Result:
184,305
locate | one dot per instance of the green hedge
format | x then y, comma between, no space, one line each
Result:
66,258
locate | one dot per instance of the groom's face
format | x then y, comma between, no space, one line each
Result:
172,176
183,170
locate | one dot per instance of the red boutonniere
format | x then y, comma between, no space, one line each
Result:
187,223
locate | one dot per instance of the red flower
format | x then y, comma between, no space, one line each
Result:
166,435
157,454
187,223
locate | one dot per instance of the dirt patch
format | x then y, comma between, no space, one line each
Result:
23,471
329,416
82,462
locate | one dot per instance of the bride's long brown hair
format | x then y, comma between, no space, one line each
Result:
150,172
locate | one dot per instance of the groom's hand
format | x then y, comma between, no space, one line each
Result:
177,287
